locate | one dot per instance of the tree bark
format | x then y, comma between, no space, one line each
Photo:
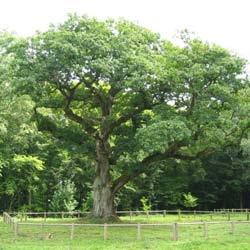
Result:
241,199
29,198
103,206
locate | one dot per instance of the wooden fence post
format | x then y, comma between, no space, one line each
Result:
130,215
42,231
164,213
45,216
228,216
16,229
211,216
175,231
138,231
105,231
179,214
232,227
205,230
72,232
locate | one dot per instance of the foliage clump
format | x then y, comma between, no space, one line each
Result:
190,201
63,198
145,204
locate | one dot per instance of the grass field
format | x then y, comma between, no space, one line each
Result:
219,236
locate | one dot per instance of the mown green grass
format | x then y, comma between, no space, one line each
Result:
220,237
169,218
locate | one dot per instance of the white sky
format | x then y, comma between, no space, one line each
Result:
225,22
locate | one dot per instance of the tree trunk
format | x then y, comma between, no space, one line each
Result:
241,200
29,198
11,203
103,206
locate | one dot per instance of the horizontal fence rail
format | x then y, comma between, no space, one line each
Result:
169,231
75,213
132,215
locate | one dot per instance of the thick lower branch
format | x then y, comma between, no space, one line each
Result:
124,179
88,124
157,157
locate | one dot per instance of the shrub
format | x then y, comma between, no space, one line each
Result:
190,201
63,198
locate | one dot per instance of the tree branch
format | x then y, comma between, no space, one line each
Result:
123,119
68,97
157,157
145,164
131,113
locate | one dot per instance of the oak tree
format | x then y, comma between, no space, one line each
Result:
139,98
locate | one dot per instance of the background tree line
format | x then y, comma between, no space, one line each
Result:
111,112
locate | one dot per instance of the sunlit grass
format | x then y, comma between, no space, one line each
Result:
191,237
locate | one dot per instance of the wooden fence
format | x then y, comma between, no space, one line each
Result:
173,228
233,210
227,214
